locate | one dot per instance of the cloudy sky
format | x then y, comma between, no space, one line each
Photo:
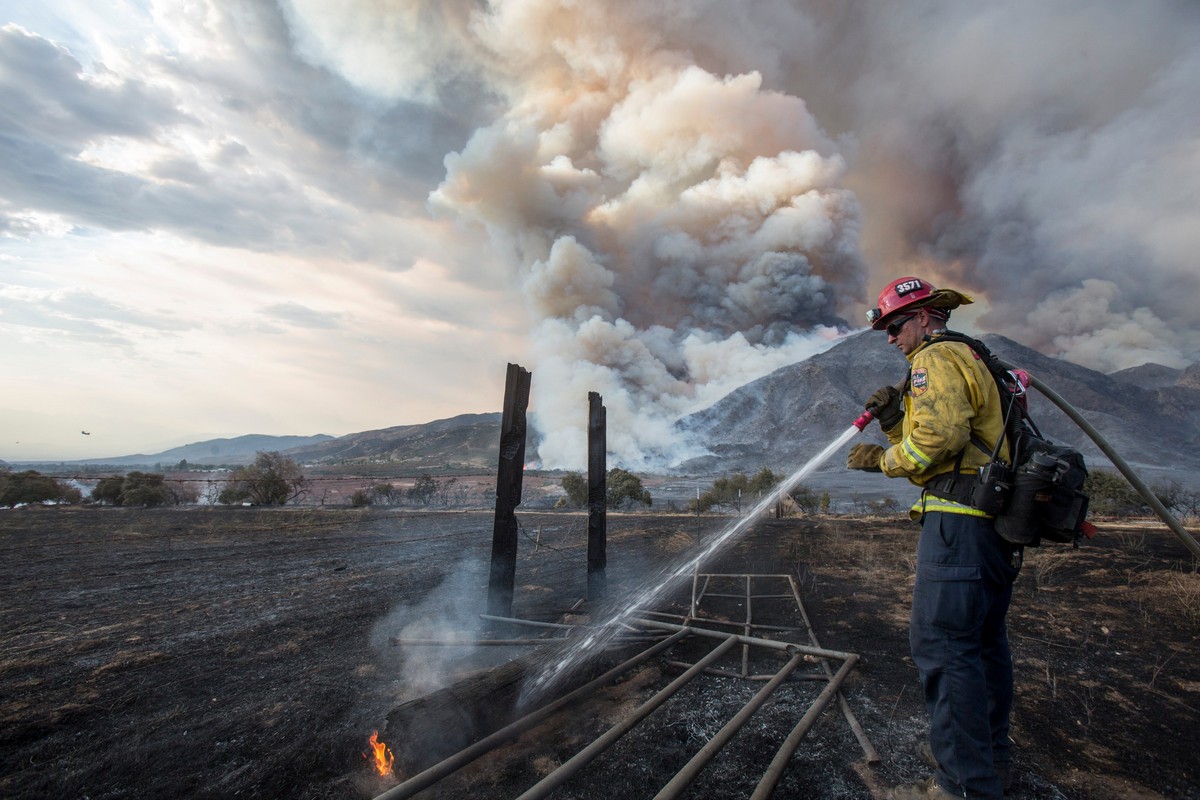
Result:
221,217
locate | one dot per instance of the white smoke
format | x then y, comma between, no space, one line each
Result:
675,232
449,612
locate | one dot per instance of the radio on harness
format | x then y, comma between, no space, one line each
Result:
1038,495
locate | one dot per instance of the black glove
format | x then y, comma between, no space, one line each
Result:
865,457
887,407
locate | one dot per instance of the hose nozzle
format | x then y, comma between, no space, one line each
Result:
864,420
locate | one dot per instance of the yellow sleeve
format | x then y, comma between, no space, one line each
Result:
937,419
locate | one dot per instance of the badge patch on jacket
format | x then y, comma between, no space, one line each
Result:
920,381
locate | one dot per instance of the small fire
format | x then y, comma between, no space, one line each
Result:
381,754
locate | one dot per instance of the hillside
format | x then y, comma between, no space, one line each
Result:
211,452
788,416
468,440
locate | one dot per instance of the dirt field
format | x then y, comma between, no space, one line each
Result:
245,652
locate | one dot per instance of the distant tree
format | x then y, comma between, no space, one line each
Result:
1189,503
108,490
361,497
576,487
1110,495
826,502
386,494
272,480
183,494
727,491
144,489
763,481
806,499
1170,493
32,486
423,490
625,488
885,505
443,491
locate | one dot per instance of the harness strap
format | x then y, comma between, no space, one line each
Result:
956,486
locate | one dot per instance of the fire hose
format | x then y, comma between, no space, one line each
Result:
1121,464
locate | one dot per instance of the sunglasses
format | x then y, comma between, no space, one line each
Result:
894,328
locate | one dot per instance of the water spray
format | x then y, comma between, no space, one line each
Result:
581,649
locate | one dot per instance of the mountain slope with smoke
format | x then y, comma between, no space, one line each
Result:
782,420
691,194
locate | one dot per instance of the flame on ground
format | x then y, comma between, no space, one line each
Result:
381,754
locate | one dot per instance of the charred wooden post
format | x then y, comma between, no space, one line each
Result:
509,474
597,557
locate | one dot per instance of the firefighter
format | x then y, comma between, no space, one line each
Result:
940,429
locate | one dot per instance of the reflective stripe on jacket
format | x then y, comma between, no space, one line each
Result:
950,395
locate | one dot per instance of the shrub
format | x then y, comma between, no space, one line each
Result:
31,486
625,488
576,487
1110,495
272,480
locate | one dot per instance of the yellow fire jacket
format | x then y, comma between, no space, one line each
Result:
950,396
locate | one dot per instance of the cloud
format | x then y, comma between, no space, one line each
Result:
302,316
80,313
47,98
270,154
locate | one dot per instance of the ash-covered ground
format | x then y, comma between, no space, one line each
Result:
248,652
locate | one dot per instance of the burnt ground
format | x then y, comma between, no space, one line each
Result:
245,652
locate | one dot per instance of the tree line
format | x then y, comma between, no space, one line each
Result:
274,479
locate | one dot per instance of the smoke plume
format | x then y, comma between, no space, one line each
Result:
674,231
690,194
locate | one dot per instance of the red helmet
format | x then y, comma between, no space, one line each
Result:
898,295
913,293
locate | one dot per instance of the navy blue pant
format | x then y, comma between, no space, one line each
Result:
959,642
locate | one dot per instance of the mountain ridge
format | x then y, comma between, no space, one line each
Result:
1149,414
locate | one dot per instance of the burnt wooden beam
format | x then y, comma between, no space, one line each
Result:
597,556
509,474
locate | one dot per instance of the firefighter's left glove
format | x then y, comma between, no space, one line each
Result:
865,457
887,406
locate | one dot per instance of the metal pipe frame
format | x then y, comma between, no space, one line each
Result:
610,737
859,734
432,775
864,742
726,642
685,776
770,778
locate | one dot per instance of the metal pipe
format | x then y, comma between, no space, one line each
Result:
766,784
473,642
851,720
465,756
1134,479
746,631
706,621
585,756
685,776
529,622
728,673
790,647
